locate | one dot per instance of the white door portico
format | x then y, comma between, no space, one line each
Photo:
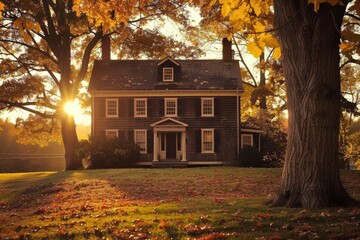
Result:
169,139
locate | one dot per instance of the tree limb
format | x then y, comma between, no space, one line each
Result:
86,58
23,107
245,65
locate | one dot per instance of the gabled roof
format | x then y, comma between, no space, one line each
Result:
123,75
168,59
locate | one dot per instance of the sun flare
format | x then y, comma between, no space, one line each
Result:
74,108
71,108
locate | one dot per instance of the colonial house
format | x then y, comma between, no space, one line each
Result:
185,112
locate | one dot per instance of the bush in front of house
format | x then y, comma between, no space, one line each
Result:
108,153
250,157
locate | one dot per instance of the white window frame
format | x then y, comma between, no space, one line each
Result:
203,114
107,107
167,76
110,136
136,114
203,142
166,100
145,140
247,135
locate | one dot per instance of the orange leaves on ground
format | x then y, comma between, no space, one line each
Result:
2,6
163,224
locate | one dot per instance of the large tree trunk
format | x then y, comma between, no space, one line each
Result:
310,55
68,131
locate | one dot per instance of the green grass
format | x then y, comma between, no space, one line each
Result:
192,203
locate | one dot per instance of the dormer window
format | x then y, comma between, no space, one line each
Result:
168,74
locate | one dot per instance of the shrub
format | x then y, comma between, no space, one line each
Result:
250,157
108,153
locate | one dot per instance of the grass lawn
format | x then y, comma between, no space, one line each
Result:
191,203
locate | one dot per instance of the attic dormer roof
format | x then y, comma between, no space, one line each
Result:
168,58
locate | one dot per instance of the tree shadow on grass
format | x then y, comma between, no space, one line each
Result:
27,190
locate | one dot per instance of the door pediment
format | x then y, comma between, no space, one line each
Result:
169,122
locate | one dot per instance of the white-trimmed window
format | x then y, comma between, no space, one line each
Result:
140,107
207,107
111,133
170,107
140,136
207,140
112,108
246,140
168,74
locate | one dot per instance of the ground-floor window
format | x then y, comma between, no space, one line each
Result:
247,140
111,133
207,140
140,139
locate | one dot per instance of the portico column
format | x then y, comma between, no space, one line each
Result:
156,147
183,146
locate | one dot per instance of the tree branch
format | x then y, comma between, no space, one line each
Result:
352,15
23,107
355,61
245,65
86,58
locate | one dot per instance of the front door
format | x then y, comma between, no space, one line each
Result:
170,145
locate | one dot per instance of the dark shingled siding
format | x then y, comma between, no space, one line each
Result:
224,124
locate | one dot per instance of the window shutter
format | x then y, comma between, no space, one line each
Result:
121,107
217,107
160,73
130,105
150,108
180,107
150,141
198,107
198,141
121,135
161,107
216,140
130,136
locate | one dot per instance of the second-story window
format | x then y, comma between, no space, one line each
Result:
168,74
140,107
111,108
170,107
207,107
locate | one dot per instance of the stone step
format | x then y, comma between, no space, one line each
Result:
169,164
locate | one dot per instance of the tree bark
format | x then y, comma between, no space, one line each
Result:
310,54
70,140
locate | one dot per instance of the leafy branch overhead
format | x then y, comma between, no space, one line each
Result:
47,48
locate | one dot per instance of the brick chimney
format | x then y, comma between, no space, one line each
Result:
227,51
105,48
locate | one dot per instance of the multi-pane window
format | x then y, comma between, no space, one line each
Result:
111,107
170,107
140,107
246,140
207,107
111,133
140,139
168,74
207,140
